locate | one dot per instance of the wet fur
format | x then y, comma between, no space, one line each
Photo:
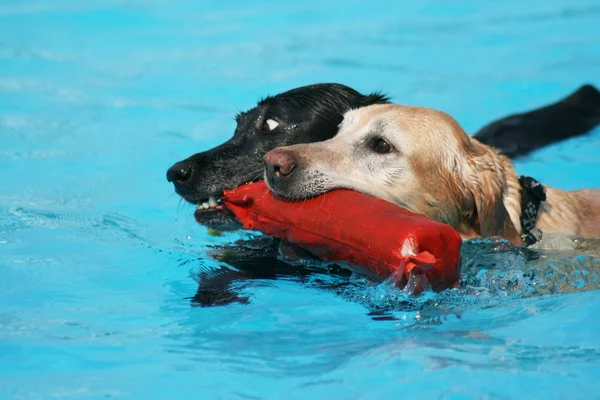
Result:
435,169
305,115
312,113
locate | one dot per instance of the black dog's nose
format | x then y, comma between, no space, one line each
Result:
179,173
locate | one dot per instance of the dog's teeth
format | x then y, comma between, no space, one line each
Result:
212,202
205,205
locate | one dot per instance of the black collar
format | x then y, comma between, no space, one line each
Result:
532,195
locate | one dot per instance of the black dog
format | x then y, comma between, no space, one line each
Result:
313,113
303,115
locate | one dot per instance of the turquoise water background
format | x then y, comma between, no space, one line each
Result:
98,257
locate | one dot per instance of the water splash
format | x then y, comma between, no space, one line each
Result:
493,274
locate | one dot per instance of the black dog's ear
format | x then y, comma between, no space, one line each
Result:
375,98
519,134
327,100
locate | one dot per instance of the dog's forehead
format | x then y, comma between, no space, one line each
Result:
253,113
283,108
366,118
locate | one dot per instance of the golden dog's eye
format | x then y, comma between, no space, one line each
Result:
381,146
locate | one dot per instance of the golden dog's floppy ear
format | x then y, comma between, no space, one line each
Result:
486,181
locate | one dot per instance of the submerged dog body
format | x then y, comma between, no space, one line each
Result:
421,159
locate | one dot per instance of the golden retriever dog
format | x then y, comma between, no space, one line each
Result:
421,159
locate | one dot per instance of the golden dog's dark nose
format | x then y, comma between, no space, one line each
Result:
279,162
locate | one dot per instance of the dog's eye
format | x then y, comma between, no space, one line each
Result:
270,124
381,146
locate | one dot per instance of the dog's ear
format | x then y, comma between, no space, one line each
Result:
486,181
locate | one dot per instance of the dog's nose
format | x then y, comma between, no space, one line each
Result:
279,162
179,173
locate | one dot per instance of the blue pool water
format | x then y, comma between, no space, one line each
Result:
99,258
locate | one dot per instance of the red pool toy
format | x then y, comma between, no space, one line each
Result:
365,232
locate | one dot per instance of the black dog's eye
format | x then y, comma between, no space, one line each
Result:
381,146
269,125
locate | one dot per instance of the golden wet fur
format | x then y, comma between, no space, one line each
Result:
436,169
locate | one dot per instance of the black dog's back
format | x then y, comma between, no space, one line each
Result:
519,134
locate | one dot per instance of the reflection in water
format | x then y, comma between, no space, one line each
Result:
493,273
501,286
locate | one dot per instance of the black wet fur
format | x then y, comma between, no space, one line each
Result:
307,114
311,114
519,134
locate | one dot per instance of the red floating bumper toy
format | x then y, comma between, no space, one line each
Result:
362,231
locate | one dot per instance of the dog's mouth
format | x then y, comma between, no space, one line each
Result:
212,213
210,204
